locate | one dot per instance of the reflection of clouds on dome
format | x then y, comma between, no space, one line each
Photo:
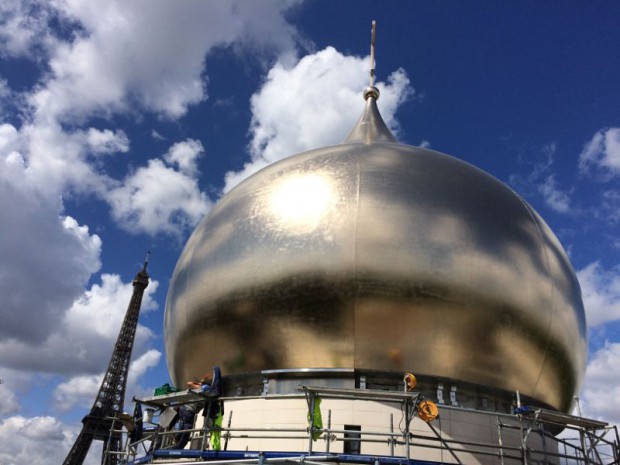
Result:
364,250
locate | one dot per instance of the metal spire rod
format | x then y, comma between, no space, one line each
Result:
146,260
372,54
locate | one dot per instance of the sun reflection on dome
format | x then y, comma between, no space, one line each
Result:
301,203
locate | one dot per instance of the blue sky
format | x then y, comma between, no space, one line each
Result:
121,123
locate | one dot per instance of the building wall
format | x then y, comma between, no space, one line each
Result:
279,423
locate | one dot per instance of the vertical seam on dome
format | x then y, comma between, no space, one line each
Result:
355,258
552,314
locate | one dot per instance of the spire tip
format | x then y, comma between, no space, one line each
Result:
146,260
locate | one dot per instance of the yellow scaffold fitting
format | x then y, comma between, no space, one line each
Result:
427,410
410,381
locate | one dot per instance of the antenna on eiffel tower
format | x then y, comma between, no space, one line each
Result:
111,396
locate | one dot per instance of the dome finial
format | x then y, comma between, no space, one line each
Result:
370,128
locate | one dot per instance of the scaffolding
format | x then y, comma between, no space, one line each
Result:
583,441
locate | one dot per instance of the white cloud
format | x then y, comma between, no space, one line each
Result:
106,141
540,180
149,52
45,258
81,390
40,440
600,289
83,343
600,397
9,140
185,156
8,400
49,323
23,27
58,161
101,309
158,198
111,57
314,103
137,369
555,198
84,337
602,152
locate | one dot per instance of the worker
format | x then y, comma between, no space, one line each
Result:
187,415
209,384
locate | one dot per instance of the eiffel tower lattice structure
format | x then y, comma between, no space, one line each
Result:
111,396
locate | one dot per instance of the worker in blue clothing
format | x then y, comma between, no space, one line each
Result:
210,385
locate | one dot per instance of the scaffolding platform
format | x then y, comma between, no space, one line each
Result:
175,398
594,442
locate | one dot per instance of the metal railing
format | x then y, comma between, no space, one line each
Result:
594,443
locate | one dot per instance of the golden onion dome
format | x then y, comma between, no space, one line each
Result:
381,256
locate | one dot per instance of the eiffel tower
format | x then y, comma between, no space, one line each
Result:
111,396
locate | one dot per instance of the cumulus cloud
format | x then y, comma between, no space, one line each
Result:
111,57
185,155
84,337
8,400
39,440
23,27
148,53
10,142
46,259
81,390
60,161
540,180
159,197
602,153
137,370
601,293
554,197
601,394
49,322
314,103
103,307
106,141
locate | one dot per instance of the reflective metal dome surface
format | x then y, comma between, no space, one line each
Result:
376,255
